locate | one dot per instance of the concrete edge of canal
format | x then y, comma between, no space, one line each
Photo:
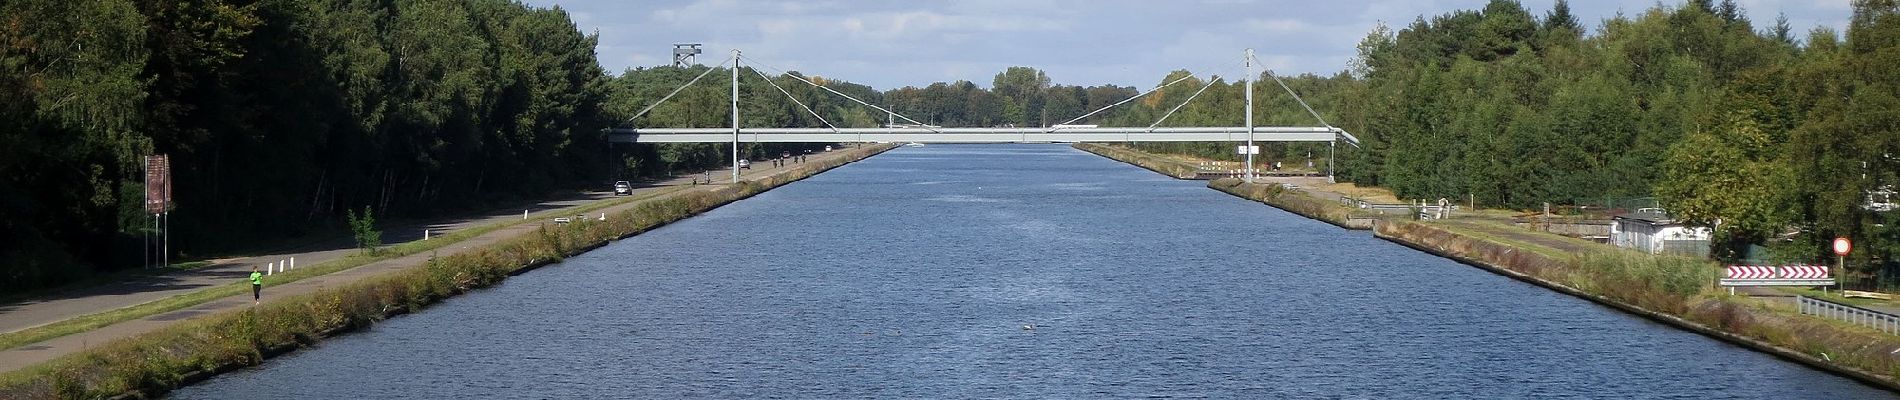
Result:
1855,354
152,364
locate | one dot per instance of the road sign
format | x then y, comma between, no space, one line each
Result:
1842,246
1768,272
1787,275
158,184
1247,150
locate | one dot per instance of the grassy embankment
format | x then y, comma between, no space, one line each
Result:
160,361
1294,201
1164,165
96,320
1298,202
1674,290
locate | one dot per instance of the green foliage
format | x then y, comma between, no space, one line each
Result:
1773,141
363,228
278,114
70,77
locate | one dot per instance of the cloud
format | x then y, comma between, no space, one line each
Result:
1277,25
1088,42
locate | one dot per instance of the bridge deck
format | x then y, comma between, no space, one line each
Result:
974,135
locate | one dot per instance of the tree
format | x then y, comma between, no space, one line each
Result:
69,150
1782,32
1560,28
1732,174
1021,88
363,227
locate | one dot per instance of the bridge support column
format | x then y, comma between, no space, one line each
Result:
735,116
1248,59
1332,149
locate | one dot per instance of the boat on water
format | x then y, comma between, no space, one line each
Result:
914,144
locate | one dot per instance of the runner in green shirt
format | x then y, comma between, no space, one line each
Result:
257,284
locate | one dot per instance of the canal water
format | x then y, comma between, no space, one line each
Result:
1016,271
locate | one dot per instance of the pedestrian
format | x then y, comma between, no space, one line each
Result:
257,285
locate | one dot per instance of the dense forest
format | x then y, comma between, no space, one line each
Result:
1771,139
1774,139
280,115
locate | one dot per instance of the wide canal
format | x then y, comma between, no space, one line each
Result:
1016,271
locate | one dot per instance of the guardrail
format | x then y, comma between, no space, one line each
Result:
1880,321
1425,210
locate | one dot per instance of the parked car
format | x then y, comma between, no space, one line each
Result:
622,188
744,163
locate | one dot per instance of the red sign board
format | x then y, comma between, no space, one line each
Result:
1842,246
158,184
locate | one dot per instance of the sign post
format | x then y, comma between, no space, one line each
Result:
158,198
1249,151
1842,246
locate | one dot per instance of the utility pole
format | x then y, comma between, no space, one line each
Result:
1248,59
735,116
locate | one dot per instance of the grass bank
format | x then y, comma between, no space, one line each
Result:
1163,165
1672,290
96,320
157,362
1297,202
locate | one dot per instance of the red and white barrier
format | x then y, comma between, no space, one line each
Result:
1799,271
1805,272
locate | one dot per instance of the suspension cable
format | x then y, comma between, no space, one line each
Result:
1350,139
813,84
677,91
1184,103
1296,96
1137,96
788,95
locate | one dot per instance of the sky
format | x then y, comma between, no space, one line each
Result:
892,44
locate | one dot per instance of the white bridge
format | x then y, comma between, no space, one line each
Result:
917,132
974,135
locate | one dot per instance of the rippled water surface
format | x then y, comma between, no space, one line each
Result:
1016,271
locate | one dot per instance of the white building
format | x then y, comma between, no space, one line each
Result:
1882,199
1652,231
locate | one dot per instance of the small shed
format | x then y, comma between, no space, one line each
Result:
1653,231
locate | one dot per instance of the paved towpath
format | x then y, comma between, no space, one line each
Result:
125,294
55,307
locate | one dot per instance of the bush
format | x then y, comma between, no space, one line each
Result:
364,228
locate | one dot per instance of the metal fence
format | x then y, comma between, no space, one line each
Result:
1617,203
1687,248
1880,321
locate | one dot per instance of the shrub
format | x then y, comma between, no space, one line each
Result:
364,228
